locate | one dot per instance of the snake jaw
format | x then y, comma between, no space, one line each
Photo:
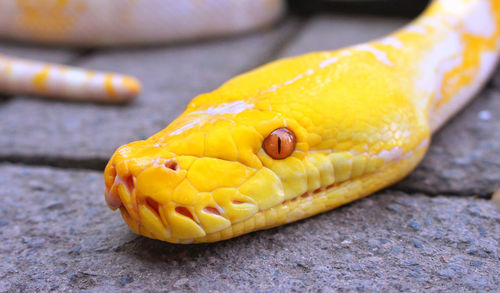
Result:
180,198
168,193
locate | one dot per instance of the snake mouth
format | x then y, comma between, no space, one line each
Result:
161,200
185,199
179,223
124,184
220,214
215,215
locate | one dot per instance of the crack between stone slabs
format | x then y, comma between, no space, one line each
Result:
96,164
5,98
447,193
288,39
492,84
80,55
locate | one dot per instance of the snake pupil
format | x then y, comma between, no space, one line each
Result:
279,144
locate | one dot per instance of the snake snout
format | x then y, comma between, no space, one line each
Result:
156,198
120,185
182,198
171,164
127,163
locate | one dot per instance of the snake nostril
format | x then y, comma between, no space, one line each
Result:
212,210
185,212
129,181
172,165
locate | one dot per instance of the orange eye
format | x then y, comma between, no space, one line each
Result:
279,144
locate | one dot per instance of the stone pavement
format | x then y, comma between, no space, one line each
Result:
437,230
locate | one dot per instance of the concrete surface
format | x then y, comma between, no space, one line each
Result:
435,231
464,158
496,80
171,77
57,234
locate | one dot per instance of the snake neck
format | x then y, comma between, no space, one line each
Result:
448,52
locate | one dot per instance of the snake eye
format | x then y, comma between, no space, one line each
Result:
279,144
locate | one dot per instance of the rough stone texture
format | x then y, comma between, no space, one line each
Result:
171,75
496,79
57,234
463,158
332,32
48,54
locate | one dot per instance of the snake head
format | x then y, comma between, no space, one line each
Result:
213,174
204,177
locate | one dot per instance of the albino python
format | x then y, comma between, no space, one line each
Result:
290,139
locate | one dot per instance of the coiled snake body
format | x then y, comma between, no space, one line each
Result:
306,134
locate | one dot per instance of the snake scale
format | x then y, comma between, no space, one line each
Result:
288,140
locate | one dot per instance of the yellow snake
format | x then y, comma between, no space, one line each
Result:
304,135
358,119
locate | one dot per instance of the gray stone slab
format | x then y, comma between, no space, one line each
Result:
56,233
496,79
47,54
172,76
330,32
464,156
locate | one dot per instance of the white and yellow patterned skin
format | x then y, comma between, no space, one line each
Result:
362,117
90,23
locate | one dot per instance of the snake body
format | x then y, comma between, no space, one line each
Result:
359,119
91,23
